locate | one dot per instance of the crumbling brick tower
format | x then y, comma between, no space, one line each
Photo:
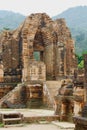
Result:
51,40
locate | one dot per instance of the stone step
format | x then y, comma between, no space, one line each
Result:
34,119
12,119
64,125
13,125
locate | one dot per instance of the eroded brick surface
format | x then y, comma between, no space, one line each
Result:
38,33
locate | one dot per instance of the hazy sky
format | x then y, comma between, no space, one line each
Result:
51,7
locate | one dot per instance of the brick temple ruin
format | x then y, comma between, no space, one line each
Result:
81,121
52,42
40,49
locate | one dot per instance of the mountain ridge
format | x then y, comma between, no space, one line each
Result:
75,17
10,19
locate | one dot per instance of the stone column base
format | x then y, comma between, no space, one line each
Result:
80,123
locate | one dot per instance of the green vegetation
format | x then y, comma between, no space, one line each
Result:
81,60
81,65
6,28
1,124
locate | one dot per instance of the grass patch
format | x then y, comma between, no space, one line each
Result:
1,124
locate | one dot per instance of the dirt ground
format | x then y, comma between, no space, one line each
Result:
35,127
35,112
